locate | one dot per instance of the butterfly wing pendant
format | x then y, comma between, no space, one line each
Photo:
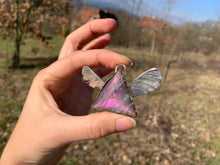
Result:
115,94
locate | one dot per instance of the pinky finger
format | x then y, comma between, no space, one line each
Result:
99,43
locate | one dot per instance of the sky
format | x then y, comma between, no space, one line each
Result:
184,10
197,10
188,10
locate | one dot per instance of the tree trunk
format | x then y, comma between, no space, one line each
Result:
16,56
153,42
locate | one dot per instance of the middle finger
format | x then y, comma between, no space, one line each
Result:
79,38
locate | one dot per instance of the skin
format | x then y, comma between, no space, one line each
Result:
55,112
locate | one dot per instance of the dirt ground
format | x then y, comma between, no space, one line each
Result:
176,124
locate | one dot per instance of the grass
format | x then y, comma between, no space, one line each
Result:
14,84
178,123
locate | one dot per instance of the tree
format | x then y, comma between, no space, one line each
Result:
18,17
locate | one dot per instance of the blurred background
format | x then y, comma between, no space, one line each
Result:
176,124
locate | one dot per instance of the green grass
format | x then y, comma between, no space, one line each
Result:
14,85
6,46
42,49
31,49
10,111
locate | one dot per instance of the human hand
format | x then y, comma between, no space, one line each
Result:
56,110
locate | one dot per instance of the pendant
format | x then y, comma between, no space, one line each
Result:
116,95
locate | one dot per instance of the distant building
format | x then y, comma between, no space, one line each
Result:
153,23
87,14
202,38
157,30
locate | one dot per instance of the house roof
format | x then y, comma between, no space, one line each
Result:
156,24
86,13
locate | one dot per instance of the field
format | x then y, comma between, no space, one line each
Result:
176,124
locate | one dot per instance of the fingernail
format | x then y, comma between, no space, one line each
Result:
131,62
108,34
124,124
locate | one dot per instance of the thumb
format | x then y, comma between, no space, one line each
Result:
96,125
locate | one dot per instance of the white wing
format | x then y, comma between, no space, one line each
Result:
146,82
92,78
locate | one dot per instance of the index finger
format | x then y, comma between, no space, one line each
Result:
79,38
68,66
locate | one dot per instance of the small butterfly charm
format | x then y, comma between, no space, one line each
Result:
115,94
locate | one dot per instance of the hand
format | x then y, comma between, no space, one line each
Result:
56,110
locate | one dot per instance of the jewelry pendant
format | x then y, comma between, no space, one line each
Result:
115,95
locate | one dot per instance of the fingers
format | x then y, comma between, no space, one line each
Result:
68,66
96,125
99,43
79,38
